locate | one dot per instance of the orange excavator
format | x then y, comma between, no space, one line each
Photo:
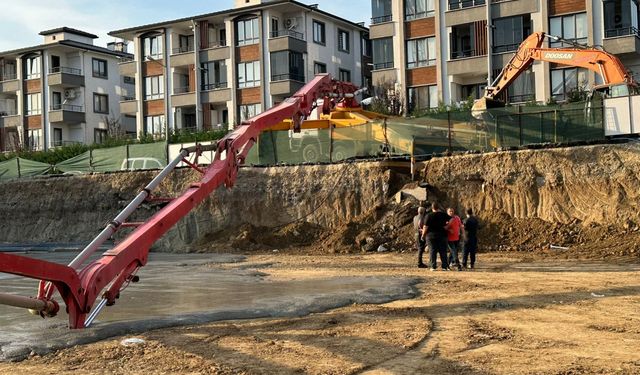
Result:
616,80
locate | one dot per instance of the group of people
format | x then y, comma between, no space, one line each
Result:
442,233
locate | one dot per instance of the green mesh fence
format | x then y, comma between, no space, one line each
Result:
18,168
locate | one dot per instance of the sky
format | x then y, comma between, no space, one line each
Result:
21,21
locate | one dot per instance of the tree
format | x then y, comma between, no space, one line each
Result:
388,99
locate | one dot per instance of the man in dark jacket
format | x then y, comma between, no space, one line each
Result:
435,231
418,223
471,226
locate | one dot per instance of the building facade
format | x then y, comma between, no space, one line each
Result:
66,90
218,69
445,51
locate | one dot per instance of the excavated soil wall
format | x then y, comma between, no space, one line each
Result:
76,208
527,199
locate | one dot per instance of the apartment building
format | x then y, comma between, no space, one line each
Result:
66,90
221,68
447,50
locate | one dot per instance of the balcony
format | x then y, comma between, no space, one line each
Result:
65,76
382,30
10,119
286,84
128,105
127,67
67,113
182,56
287,40
183,96
9,83
215,52
216,93
622,41
382,66
467,63
465,11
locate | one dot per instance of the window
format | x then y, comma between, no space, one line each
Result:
383,53
344,75
319,35
366,45
99,68
56,100
422,98
620,18
214,75
129,80
275,26
522,89
287,65
152,47
57,137
319,68
154,125
248,111
32,65
249,74
100,103
34,104
572,27
186,44
421,52
99,135
248,32
463,42
344,44
154,87
509,32
564,81
34,139
381,11
414,9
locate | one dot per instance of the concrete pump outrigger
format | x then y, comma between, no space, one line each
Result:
616,80
81,285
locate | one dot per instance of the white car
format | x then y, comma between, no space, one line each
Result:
132,164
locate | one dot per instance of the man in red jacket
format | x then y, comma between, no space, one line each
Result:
453,238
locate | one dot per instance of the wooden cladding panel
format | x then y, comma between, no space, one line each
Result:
422,76
154,107
248,53
152,68
192,78
33,86
204,34
206,117
480,29
566,6
421,28
249,96
34,122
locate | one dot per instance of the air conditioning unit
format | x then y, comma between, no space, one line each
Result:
290,23
69,94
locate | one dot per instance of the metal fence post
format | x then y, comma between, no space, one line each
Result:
520,135
497,129
330,143
555,125
91,159
413,158
541,127
18,164
127,149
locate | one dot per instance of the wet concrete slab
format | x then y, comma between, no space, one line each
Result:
190,289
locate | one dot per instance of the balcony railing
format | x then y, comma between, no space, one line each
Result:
464,54
8,77
384,65
217,44
287,76
34,112
459,4
182,90
126,59
127,98
214,86
66,70
8,112
66,107
623,31
381,19
62,143
182,49
521,98
418,15
290,33
506,47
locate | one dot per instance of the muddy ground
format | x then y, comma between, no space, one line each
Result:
514,314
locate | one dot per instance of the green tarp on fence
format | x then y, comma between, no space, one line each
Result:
129,157
18,167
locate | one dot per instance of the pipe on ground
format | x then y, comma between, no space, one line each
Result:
36,306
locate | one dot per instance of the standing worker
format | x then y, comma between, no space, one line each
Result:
471,226
435,231
453,238
418,223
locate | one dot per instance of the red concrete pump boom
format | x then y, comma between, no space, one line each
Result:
81,285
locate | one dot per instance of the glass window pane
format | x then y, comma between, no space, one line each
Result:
569,27
433,96
557,82
411,53
431,49
555,26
